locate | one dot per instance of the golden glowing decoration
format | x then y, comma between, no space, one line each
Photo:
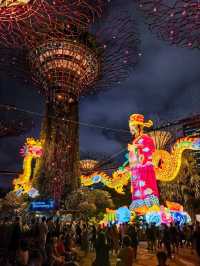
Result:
161,138
138,119
10,3
167,165
119,179
31,150
88,165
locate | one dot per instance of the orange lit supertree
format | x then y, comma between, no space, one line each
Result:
67,63
176,22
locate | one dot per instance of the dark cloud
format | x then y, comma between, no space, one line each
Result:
164,87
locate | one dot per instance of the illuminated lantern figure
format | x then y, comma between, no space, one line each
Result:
143,180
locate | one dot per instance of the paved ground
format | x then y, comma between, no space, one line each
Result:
185,257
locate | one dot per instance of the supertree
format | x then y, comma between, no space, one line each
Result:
176,22
12,123
19,17
66,64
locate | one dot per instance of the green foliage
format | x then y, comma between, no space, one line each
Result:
13,204
89,209
90,202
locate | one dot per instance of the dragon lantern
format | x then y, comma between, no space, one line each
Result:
32,150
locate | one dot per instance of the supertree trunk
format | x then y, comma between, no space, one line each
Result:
59,167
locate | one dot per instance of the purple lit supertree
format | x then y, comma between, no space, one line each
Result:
66,64
176,22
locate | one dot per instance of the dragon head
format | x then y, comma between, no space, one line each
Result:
120,179
32,148
196,144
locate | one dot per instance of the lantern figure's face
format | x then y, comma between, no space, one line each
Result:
133,129
10,3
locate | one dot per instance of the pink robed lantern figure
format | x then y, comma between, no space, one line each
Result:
143,180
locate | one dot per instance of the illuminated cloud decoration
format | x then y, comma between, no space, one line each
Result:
165,215
123,215
119,216
176,23
168,215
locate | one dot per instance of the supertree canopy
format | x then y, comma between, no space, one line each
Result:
12,123
65,66
174,21
18,18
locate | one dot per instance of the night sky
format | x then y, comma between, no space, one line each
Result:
164,87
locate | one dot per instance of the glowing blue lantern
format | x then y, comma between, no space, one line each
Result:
123,215
153,218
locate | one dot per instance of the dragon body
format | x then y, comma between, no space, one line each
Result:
119,179
167,165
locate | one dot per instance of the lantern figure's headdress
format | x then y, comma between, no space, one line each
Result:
138,119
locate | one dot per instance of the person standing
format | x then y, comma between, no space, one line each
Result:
196,237
85,240
102,251
167,241
78,234
94,235
22,254
174,238
15,237
43,231
115,238
132,233
125,257
152,236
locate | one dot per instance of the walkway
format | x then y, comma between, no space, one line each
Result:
145,258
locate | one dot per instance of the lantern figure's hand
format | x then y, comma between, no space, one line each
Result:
131,147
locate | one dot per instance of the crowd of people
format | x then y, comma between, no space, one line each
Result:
50,242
